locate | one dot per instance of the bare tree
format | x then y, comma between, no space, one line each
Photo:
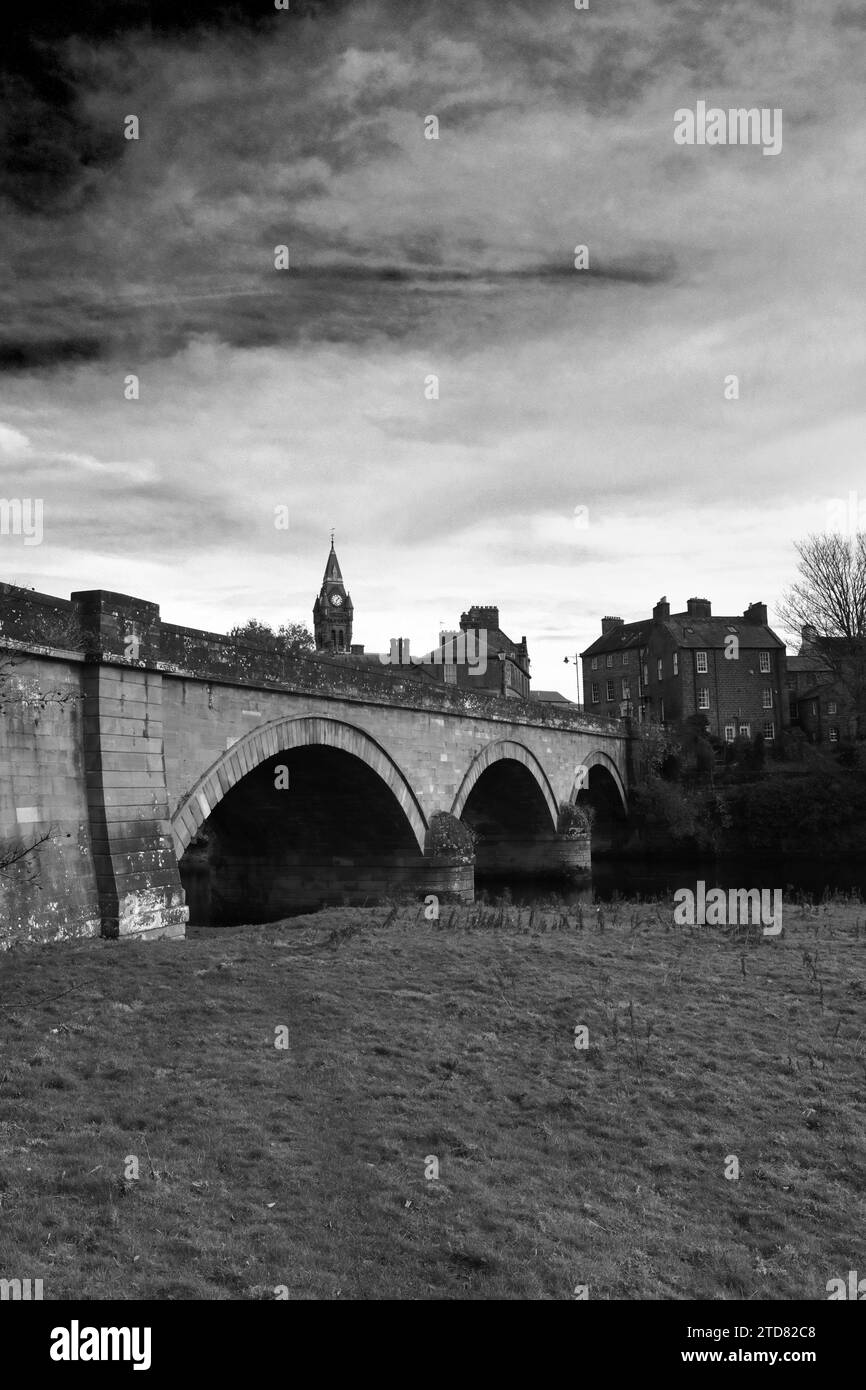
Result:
20,857
830,594
830,597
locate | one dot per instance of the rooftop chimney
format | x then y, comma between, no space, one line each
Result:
756,613
699,608
662,609
608,625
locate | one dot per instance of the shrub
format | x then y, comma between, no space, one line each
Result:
448,836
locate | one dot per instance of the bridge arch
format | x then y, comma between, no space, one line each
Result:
601,760
281,736
499,751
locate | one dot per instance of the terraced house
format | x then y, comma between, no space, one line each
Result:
827,687
728,670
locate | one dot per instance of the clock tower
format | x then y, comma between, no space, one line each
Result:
332,610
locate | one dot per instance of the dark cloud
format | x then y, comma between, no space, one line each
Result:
49,147
19,355
347,303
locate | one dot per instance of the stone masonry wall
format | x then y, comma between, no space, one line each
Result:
51,894
142,711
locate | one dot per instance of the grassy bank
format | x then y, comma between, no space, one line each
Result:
304,1166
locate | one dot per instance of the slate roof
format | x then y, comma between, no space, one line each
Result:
808,663
687,631
711,632
497,642
627,635
552,697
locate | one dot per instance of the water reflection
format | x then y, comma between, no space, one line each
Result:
651,878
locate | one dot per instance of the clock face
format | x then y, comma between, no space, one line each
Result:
337,600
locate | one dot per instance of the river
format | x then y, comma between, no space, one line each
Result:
648,878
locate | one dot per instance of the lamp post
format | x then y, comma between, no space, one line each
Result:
567,661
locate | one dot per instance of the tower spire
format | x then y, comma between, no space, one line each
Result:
332,610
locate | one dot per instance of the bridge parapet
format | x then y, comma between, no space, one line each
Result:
118,629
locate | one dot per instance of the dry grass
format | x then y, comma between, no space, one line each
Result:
305,1167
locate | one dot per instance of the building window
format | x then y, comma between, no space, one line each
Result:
625,658
659,667
449,672
792,682
834,734
626,690
595,694
745,731
645,674
676,663
768,697
610,694
595,663
730,733
608,660
814,706
794,710
704,697
764,663
769,731
701,663
831,706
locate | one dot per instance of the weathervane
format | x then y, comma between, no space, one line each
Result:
332,538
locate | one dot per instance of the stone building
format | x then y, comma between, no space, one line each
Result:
728,670
824,712
480,656
552,697
824,679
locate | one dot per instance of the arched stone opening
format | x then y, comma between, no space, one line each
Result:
599,791
508,804
306,812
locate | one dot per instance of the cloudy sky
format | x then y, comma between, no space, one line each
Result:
558,388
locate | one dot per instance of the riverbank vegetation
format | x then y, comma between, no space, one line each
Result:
699,797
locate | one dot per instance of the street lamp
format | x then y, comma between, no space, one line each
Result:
567,662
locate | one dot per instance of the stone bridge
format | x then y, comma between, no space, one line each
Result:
172,775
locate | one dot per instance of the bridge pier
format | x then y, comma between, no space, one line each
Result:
553,856
138,885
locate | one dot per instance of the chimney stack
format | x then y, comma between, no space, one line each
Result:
608,625
699,608
756,613
662,610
